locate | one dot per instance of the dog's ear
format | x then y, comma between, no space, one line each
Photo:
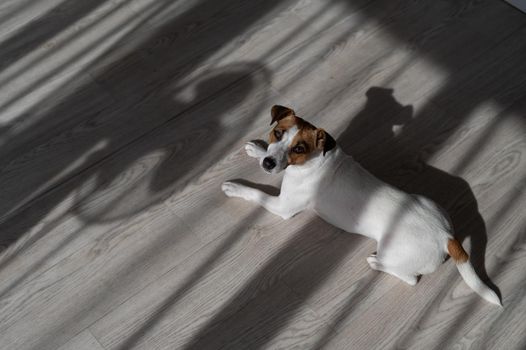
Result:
324,141
279,112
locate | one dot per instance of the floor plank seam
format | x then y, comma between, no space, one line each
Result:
96,339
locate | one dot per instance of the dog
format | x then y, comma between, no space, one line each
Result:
413,234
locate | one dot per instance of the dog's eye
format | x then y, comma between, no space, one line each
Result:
298,149
278,133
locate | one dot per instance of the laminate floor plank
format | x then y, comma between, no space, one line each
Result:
243,270
100,275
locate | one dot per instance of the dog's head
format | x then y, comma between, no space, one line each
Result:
293,141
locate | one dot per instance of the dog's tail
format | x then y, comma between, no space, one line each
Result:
464,266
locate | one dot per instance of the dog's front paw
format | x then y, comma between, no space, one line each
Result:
256,149
233,189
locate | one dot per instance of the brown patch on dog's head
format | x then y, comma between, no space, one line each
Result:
308,140
456,251
303,144
286,119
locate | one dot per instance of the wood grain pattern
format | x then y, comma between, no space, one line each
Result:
119,120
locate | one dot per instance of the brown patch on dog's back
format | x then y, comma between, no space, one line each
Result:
456,251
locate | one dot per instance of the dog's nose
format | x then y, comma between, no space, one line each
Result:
269,163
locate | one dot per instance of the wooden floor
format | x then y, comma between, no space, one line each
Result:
119,120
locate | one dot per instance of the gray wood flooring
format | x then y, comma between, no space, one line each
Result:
120,119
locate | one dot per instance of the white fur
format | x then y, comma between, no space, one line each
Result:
411,231
470,277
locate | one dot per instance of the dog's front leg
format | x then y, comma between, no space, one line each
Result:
275,204
256,149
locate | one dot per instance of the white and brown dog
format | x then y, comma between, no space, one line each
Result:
413,234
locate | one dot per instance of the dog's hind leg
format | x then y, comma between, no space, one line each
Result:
375,264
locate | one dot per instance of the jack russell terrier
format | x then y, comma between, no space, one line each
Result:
413,233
